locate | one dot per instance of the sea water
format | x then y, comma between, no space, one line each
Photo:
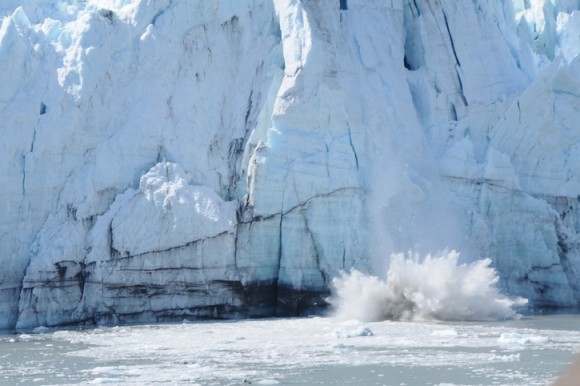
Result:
305,351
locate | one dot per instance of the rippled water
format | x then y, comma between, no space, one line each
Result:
310,351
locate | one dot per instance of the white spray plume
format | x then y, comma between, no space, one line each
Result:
434,288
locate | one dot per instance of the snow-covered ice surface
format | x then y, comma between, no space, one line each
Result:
304,351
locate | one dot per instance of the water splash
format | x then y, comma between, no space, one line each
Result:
424,289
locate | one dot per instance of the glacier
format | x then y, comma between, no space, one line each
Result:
170,159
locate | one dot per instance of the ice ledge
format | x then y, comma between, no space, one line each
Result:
213,266
175,213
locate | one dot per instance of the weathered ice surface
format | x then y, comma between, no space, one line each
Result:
186,158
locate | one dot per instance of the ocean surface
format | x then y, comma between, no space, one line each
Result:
307,351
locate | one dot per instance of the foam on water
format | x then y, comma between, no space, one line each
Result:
436,287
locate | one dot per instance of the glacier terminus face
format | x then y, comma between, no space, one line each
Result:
175,158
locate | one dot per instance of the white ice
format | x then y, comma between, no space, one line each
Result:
305,141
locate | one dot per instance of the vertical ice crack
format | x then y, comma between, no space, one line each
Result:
33,140
23,161
31,149
417,11
352,145
81,277
161,12
280,243
239,218
451,39
248,110
458,63
276,283
237,146
315,247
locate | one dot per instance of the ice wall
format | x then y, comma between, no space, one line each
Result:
181,158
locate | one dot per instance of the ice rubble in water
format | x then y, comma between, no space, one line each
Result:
515,339
435,288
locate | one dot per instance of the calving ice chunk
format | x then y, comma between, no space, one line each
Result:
191,158
425,288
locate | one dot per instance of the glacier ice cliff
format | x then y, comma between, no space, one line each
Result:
170,159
